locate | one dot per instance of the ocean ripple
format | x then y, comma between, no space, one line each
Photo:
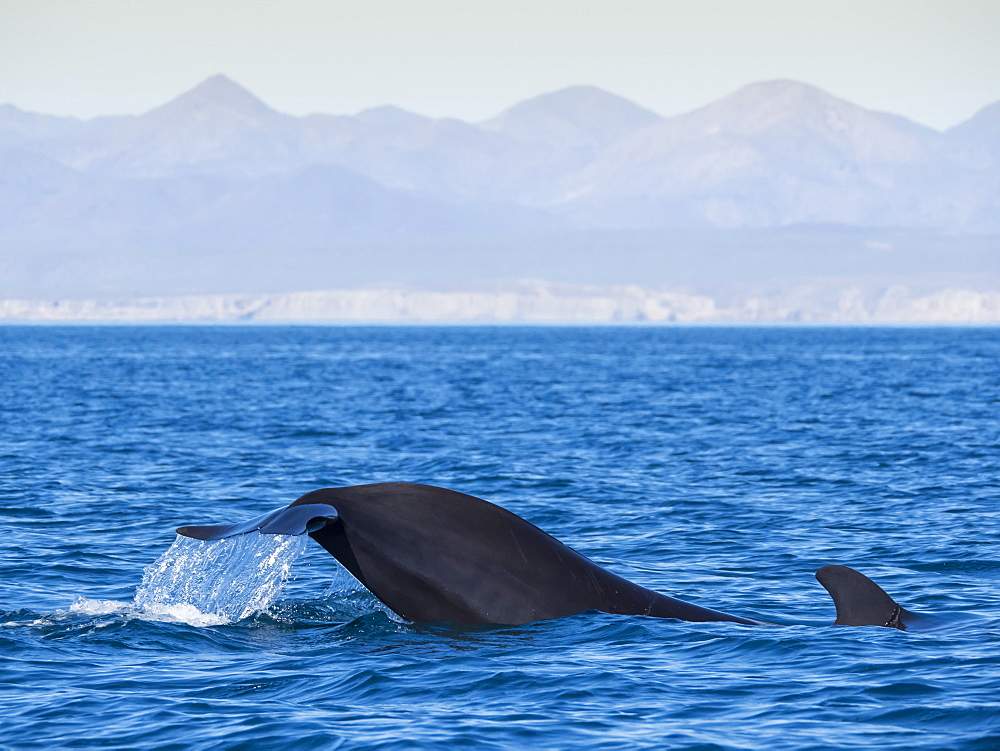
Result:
723,466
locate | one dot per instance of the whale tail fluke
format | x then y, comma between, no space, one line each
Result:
859,600
289,520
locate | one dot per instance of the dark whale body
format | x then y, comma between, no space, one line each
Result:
437,555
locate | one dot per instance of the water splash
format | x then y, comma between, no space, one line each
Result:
219,581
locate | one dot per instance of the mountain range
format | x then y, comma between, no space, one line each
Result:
218,174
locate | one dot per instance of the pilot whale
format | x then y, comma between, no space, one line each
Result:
436,555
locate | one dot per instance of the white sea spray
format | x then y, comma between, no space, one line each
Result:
218,581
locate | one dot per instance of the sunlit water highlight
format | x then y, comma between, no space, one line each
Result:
230,579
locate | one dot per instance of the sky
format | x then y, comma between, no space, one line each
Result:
933,61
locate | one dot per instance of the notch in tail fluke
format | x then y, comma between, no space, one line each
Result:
860,601
288,520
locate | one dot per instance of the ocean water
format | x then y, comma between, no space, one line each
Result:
719,465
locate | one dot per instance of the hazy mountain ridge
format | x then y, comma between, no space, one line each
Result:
771,154
217,191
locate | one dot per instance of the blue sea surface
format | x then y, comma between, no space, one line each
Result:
719,465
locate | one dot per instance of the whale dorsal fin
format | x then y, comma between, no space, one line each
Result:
859,600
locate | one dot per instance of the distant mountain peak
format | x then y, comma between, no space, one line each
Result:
782,88
389,115
576,112
573,97
576,103
758,107
988,118
217,93
977,140
780,95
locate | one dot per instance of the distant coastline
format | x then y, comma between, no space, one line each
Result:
530,302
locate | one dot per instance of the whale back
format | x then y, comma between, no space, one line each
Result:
432,554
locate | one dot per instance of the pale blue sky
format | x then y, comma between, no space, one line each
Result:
935,61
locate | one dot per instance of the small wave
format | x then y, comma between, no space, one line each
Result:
98,607
178,613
